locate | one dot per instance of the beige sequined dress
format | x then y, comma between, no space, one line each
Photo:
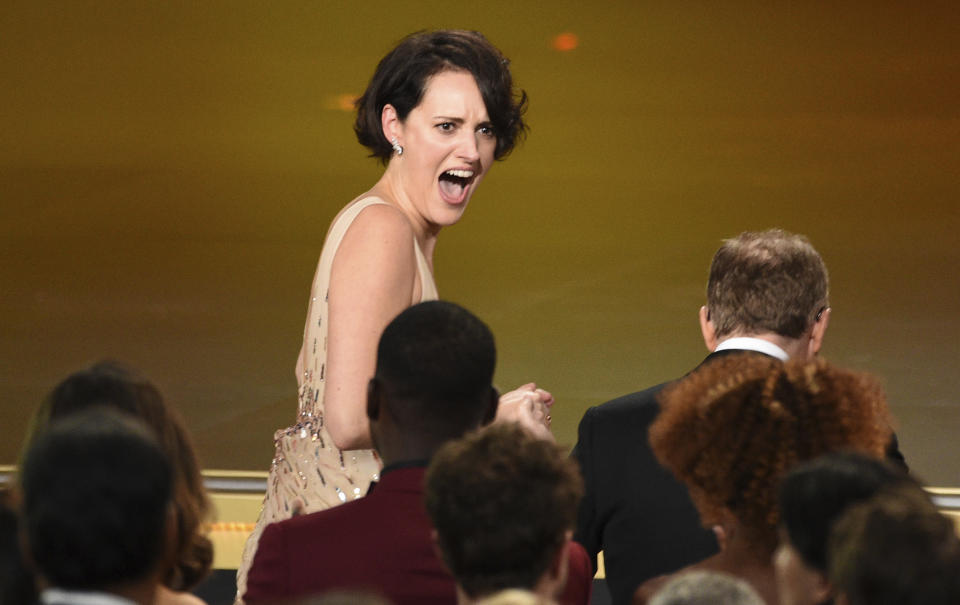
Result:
308,472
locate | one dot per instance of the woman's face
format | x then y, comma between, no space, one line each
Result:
797,582
448,145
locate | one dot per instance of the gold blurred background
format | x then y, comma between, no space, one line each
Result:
168,170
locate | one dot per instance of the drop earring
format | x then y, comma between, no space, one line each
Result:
397,147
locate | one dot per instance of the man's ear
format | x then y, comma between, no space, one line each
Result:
708,330
390,123
817,331
374,391
492,406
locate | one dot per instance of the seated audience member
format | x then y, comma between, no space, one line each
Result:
96,510
812,496
504,504
433,383
768,296
731,430
112,385
895,549
706,588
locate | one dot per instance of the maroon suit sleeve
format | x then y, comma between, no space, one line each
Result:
267,579
579,577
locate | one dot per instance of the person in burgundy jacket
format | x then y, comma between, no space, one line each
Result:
433,383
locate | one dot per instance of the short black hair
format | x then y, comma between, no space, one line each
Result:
435,361
815,493
96,493
401,80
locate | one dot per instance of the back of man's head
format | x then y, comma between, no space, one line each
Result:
766,282
895,549
435,364
503,503
96,494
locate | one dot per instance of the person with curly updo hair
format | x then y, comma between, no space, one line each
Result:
731,430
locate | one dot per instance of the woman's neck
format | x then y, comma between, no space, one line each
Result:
390,189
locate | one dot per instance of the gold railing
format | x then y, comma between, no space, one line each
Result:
237,496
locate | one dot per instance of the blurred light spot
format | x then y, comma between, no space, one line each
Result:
342,102
565,42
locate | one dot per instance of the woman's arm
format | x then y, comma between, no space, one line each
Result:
371,281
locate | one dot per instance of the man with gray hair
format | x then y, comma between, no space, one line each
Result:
767,293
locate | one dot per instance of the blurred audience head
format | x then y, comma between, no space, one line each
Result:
812,496
112,385
504,505
706,588
96,510
895,549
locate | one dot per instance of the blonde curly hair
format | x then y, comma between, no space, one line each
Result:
733,428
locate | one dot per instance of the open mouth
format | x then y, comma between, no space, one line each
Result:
454,183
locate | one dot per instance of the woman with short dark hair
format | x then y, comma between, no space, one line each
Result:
440,108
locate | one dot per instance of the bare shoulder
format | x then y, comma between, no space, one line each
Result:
379,243
381,219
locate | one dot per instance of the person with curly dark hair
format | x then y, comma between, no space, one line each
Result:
503,504
440,108
767,296
112,385
731,430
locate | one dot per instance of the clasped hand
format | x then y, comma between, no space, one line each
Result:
528,406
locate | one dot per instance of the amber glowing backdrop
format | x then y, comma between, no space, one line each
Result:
168,169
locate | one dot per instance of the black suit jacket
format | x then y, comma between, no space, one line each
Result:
634,510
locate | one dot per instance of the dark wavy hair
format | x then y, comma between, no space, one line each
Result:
733,428
895,548
814,494
115,386
401,80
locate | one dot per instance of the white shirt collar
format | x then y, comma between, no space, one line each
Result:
59,596
746,343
